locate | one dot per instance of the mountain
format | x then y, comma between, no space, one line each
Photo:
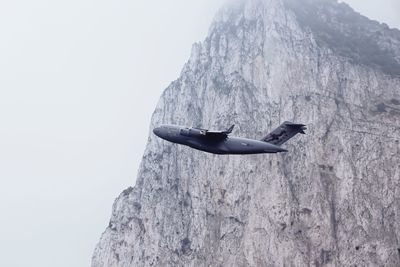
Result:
333,200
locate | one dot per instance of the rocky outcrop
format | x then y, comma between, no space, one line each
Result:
333,200
350,34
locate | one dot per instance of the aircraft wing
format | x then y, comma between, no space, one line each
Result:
217,135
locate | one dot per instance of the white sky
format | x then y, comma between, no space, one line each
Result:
79,80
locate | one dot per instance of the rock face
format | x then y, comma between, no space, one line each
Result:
333,200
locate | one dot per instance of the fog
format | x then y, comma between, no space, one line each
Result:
78,83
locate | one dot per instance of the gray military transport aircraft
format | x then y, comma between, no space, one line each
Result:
219,142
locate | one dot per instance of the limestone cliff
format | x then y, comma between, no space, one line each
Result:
333,200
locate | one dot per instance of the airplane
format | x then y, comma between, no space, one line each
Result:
219,142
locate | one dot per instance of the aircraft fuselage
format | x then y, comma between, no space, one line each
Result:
196,139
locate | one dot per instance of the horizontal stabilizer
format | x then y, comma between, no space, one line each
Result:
284,132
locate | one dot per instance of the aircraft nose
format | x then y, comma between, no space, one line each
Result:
157,131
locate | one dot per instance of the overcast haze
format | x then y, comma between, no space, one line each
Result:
79,81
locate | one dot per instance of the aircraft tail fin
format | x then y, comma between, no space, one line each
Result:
284,132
